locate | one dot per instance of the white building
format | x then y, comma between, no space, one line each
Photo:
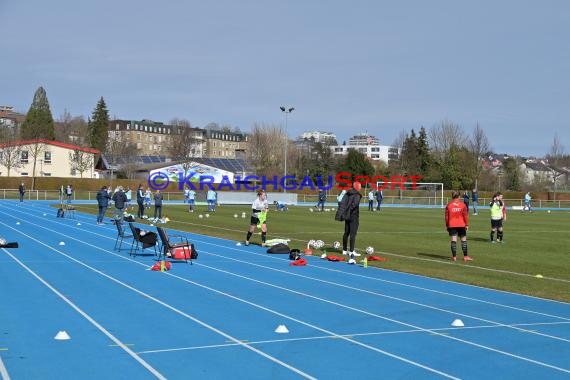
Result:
317,136
48,158
369,146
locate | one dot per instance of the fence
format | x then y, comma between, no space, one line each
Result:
228,197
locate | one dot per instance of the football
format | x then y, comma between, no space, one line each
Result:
336,245
369,250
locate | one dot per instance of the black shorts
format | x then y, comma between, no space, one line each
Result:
255,221
496,223
454,231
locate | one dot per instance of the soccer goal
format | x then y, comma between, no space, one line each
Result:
419,194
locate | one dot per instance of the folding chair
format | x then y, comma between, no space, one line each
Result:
148,239
120,235
167,246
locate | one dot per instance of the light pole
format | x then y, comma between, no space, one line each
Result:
286,111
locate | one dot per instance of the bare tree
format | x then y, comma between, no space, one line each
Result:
10,152
80,161
445,136
186,145
36,149
395,165
479,148
120,155
556,151
71,129
129,155
266,151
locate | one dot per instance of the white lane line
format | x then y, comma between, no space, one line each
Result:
3,371
151,369
298,292
201,323
321,337
394,356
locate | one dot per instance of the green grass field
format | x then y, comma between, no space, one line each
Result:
415,241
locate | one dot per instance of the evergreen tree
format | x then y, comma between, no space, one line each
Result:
39,121
451,169
409,161
356,164
98,126
511,168
423,152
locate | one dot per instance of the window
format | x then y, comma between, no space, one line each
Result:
24,157
24,174
47,157
47,174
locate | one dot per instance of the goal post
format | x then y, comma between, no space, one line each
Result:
412,194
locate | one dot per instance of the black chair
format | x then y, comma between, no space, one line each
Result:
168,246
121,235
146,239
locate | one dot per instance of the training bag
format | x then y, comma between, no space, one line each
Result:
295,254
279,248
182,253
60,212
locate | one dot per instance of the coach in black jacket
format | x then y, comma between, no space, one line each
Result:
349,212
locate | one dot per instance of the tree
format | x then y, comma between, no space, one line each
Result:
267,149
10,152
98,126
556,152
186,145
444,137
395,164
356,163
39,121
409,162
424,159
80,161
511,171
71,129
37,149
479,147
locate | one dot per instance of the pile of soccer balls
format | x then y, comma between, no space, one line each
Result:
317,244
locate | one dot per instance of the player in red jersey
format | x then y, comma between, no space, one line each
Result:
457,222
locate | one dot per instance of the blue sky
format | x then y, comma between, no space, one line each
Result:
347,67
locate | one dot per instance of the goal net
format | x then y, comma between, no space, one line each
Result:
419,194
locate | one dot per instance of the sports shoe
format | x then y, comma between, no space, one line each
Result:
453,258
345,253
467,258
246,242
354,254
493,241
263,244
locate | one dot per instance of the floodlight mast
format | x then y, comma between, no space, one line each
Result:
286,111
